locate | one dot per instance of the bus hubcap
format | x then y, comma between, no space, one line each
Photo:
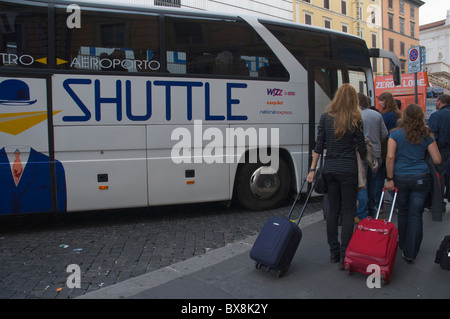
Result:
264,182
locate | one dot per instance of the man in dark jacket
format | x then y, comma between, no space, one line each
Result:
439,125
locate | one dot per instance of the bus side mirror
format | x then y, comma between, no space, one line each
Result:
396,75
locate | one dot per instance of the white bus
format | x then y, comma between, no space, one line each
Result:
112,106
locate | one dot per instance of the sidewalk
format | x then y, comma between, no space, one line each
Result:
229,273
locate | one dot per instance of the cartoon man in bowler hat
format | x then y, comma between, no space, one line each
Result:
25,172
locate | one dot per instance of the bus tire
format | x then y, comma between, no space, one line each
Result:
259,187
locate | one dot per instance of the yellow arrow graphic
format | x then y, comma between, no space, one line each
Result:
60,61
42,60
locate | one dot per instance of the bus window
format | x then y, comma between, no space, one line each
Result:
218,47
302,44
108,41
23,36
352,52
328,79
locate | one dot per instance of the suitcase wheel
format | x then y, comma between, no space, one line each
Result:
347,268
282,272
384,280
268,269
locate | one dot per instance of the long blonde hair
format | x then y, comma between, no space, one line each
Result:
344,108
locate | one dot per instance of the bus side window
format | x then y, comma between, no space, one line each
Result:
303,44
23,36
108,41
218,47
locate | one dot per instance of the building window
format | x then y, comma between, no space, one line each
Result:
391,45
308,18
413,29
327,23
402,48
391,21
391,4
309,1
402,8
344,7
373,15
402,26
374,40
344,28
375,65
413,12
326,4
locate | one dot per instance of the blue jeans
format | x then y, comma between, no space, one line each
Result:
369,197
412,192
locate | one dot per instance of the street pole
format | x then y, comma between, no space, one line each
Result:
415,89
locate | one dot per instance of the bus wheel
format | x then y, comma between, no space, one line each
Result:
261,187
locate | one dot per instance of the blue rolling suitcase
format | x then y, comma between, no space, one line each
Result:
278,240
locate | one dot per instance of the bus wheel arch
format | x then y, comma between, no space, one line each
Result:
258,187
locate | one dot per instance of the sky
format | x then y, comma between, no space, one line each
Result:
433,10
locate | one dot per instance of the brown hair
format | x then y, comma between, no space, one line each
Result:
444,98
344,108
363,100
413,123
389,105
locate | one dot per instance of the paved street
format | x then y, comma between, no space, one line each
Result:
113,246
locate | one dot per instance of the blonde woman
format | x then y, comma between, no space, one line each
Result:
341,130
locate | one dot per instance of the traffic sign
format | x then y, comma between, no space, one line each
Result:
414,60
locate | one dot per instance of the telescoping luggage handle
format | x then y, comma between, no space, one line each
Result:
306,201
381,203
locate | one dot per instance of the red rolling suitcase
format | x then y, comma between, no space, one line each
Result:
374,241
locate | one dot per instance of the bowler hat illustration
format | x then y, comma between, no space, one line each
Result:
15,93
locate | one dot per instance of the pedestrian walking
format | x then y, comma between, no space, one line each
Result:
341,130
375,130
391,113
407,170
439,123
389,110
447,179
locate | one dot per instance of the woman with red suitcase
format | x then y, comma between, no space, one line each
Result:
407,170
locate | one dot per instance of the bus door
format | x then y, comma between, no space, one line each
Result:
324,78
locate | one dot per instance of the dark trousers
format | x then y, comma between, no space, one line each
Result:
342,192
412,192
443,178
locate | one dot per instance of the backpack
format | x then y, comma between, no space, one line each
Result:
443,254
